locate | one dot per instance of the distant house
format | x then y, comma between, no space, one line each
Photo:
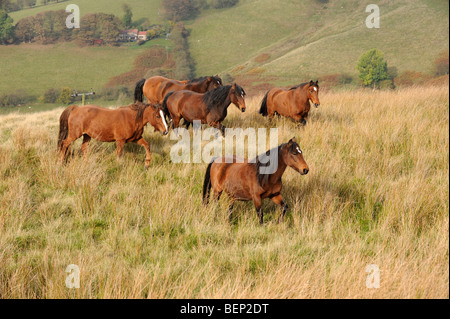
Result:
142,35
129,35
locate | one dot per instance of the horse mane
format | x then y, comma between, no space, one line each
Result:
203,79
216,98
140,109
298,86
264,178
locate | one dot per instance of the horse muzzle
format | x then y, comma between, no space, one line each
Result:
243,110
165,133
316,105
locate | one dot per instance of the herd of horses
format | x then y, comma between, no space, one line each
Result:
207,100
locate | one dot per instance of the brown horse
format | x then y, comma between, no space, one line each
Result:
247,182
293,103
122,125
209,108
157,87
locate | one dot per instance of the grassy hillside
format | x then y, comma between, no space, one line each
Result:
377,193
142,9
309,39
39,67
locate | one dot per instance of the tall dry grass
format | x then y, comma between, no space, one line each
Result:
377,194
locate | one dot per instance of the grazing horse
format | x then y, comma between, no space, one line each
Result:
293,103
122,125
157,87
209,108
246,182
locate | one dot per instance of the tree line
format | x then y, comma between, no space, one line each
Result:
10,6
179,10
50,26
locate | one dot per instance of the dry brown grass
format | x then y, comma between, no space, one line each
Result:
377,194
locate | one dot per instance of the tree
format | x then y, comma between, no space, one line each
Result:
372,68
177,10
25,29
99,26
6,28
65,97
128,16
219,4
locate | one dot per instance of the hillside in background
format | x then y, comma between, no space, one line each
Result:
257,42
142,9
298,40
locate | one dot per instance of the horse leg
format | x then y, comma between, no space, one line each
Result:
299,119
69,140
230,211
85,144
187,124
119,144
258,205
304,117
217,195
280,202
145,145
176,122
218,126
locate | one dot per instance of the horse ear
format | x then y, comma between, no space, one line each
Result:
317,82
311,83
292,141
234,86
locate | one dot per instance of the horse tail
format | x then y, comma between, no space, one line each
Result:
207,184
64,125
263,109
139,91
164,106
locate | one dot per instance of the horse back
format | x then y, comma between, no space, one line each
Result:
236,177
103,124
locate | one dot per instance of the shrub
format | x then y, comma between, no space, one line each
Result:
410,78
50,96
372,68
65,97
19,97
113,93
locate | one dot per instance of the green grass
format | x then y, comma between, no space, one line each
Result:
142,9
39,67
308,39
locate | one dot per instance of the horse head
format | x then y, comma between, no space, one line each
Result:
313,93
237,97
157,119
213,82
293,157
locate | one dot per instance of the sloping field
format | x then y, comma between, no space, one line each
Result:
377,194
309,39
